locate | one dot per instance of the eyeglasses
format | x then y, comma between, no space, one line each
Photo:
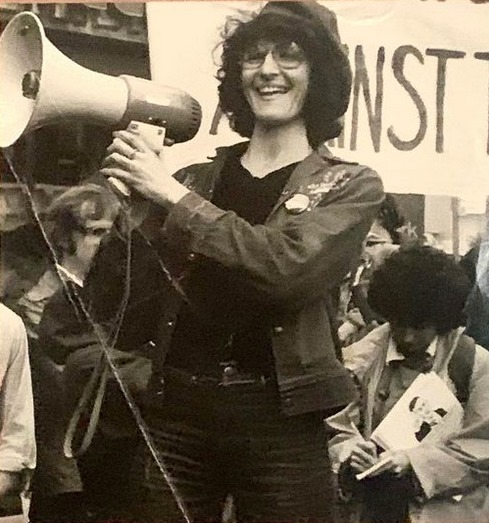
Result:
93,231
287,55
371,242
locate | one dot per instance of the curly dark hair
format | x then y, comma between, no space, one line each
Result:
322,116
420,287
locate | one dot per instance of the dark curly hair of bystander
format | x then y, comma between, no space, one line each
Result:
420,287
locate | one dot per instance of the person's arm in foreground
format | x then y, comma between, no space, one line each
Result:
17,443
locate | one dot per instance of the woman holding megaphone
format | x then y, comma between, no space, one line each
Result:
257,240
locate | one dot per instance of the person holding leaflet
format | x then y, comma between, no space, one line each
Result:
421,293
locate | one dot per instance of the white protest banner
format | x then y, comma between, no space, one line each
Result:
419,112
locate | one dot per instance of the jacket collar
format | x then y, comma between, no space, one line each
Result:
322,154
394,355
314,163
311,165
360,356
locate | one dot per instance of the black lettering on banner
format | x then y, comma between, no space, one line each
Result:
443,56
398,61
216,120
339,141
361,80
485,56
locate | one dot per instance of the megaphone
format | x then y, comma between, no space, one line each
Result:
39,86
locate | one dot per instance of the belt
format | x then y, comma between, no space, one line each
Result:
230,376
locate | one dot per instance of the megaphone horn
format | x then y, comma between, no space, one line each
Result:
40,86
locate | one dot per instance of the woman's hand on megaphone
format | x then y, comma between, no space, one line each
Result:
132,161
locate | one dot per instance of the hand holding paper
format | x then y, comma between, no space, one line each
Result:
395,461
363,456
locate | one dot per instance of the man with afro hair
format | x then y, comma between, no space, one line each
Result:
421,293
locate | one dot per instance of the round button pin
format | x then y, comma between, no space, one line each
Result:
298,203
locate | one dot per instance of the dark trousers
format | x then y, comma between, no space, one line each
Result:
10,505
386,499
105,469
216,441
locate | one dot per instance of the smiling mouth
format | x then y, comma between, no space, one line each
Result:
271,91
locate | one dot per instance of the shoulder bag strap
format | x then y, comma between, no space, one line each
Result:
95,385
460,367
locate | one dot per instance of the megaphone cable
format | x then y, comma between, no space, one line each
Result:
103,339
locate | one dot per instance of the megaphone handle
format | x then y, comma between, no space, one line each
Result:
154,135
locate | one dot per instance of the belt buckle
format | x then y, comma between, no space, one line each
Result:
231,375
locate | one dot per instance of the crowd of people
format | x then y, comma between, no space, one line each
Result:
224,343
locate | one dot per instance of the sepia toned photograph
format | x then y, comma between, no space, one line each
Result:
244,254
